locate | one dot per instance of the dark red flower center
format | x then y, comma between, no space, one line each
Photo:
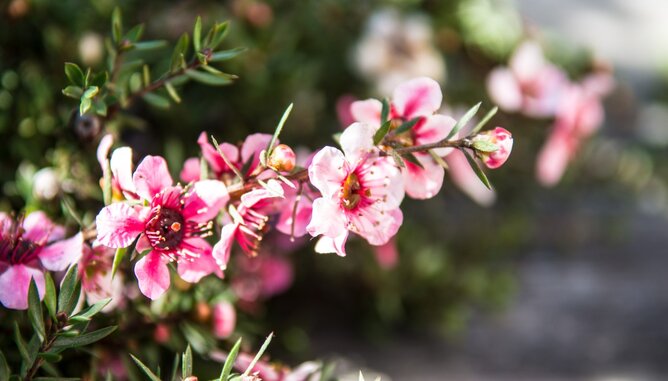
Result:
165,229
15,248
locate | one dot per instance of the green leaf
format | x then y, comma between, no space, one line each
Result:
83,340
439,160
382,131
278,130
187,363
172,92
134,34
100,79
197,34
150,45
67,205
202,58
462,122
398,160
175,367
484,146
145,369
35,311
156,100
21,346
484,120
4,368
259,354
409,157
50,357
74,74
210,79
85,105
180,50
120,254
216,35
384,111
476,168
407,125
146,75
67,298
50,296
100,107
116,25
91,92
73,92
229,361
94,309
200,340
225,55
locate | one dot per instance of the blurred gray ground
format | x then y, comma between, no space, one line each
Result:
598,312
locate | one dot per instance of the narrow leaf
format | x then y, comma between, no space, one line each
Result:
106,184
484,146
172,92
94,309
50,357
259,354
384,111
208,78
229,361
116,25
67,289
4,368
439,160
476,168
21,345
150,45
382,131
73,92
50,299
83,340
134,34
179,52
68,207
74,74
84,106
197,34
156,100
463,120
398,160
484,120
187,363
227,160
407,125
35,311
145,369
175,367
225,55
409,157
278,130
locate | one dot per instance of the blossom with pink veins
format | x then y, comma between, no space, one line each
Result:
361,192
579,115
247,155
502,139
249,222
170,225
28,247
530,84
418,98
224,319
96,280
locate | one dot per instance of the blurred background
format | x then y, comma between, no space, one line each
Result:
528,283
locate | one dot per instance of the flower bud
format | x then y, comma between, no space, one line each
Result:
282,158
500,139
161,334
224,319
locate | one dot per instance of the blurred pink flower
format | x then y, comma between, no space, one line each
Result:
273,372
28,247
530,84
361,192
224,319
387,255
418,98
96,281
170,227
504,143
262,277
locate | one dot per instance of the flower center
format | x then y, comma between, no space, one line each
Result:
14,248
351,192
165,228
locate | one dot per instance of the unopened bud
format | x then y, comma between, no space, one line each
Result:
282,158
500,139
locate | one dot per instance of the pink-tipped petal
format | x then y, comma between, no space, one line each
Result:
272,189
152,275
222,249
15,283
367,111
357,140
328,170
198,268
191,170
504,90
417,97
118,225
423,183
151,177
60,255
433,129
39,228
121,169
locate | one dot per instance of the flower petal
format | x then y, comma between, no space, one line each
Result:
151,177
103,151
328,170
60,255
15,283
553,159
417,97
152,275
198,268
121,169
39,228
224,319
118,225
433,129
327,219
253,145
423,183
504,90
205,200
191,170
212,156
367,111
326,245
384,228
357,140
223,248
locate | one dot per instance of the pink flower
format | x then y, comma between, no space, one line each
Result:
418,98
282,159
119,167
249,222
579,115
224,319
95,273
530,84
296,211
171,227
274,372
247,156
387,255
361,192
502,139
28,247
262,277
